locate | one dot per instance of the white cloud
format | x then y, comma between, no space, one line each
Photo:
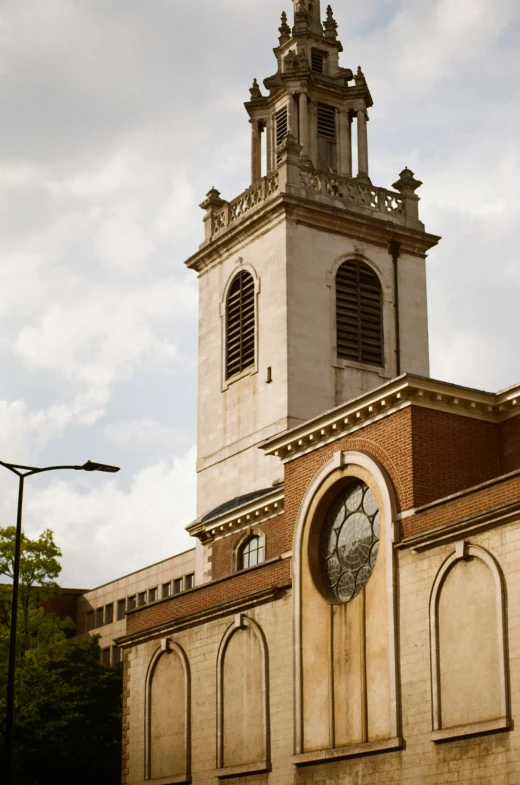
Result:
105,532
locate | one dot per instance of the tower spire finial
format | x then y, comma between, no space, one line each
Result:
310,9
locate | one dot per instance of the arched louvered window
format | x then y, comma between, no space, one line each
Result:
359,313
240,324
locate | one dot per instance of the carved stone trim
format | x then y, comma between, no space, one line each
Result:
388,511
352,751
168,647
242,622
464,550
391,397
472,729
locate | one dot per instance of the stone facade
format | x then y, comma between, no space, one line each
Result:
373,636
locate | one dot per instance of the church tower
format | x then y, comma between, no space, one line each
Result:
312,285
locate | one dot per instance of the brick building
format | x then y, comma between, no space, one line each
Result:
353,617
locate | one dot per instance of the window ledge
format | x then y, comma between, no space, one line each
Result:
352,751
342,362
243,770
175,780
471,729
249,371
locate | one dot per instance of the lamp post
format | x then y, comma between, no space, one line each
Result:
22,472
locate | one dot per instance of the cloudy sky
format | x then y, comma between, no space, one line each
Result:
117,117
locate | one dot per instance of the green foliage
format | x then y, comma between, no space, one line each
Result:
68,725
39,568
68,706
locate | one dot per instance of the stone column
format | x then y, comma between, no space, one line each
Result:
345,144
291,116
256,151
362,143
304,125
269,144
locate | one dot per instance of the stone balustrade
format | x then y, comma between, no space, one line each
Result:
291,177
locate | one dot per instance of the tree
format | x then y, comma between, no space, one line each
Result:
67,705
39,569
68,726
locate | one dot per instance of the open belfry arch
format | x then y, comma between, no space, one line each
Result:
357,573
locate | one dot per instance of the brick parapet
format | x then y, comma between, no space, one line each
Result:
276,573
479,500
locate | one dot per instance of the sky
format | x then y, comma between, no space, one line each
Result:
117,118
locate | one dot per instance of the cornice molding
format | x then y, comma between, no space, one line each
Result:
318,212
249,514
399,393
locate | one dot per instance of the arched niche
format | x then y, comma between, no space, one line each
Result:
346,694
243,741
168,715
470,692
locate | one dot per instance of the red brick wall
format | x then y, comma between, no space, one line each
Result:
450,453
223,549
473,503
275,574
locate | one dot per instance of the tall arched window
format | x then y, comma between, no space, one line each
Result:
240,324
359,313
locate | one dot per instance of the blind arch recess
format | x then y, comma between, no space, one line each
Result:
240,324
359,313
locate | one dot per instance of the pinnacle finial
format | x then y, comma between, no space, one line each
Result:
330,25
255,91
284,29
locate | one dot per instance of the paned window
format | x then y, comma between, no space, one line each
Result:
90,620
251,552
105,657
109,613
240,324
116,655
189,581
152,594
327,138
166,589
131,602
177,585
99,617
141,599
349,541
120,610
359,314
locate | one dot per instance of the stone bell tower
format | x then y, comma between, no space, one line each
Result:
312,281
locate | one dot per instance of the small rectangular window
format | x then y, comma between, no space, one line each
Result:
152,594
141,599
109,613
177,585
281,121
105,657
116,655
189,581
166,589
317,61
131,603
99,617
90,620
120,610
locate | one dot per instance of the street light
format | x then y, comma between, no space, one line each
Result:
22,472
